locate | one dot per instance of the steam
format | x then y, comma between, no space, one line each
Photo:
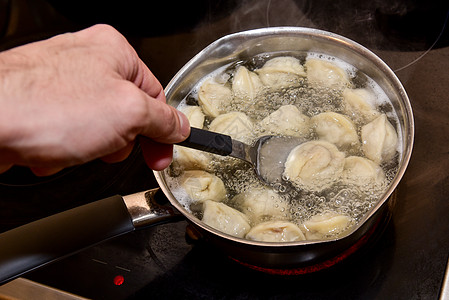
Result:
252,14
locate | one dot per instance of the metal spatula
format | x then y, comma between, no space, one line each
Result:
267,155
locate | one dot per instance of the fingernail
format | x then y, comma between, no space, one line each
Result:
184,124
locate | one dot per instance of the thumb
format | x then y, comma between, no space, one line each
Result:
165,124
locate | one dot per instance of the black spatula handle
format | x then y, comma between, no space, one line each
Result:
208,141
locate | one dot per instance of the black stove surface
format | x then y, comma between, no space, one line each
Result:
404,260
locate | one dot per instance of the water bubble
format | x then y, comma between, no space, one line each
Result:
238,177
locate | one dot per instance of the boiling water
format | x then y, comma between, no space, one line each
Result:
238,177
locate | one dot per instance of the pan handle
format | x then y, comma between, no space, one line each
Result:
41,242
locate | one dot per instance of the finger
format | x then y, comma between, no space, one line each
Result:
119,155
157,156
45,171
164,123
148,83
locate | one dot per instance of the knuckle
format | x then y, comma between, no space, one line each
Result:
106,35
105,29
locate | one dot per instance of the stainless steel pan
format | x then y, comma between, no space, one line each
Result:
36,244
243,45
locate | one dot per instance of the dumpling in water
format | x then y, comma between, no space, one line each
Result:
287,120
326,73
202,186
195,115
235,124
191,159
225,218
246,84
379,139
314,165
261,204
359,104
213,98
323,225
362,171
276,231
336,129
281,72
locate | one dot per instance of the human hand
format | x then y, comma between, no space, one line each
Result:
81,96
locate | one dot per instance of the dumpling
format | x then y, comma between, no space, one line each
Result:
225,218
213,97
379,140
191,159
281,72
195,115
323,225
314,165
283,64
359,104
287,120
202,186
276,231
362,171
235,124
323,72
336,129
261,204
246,84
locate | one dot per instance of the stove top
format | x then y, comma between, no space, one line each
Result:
406,260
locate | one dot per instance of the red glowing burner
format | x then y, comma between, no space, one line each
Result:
319,266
